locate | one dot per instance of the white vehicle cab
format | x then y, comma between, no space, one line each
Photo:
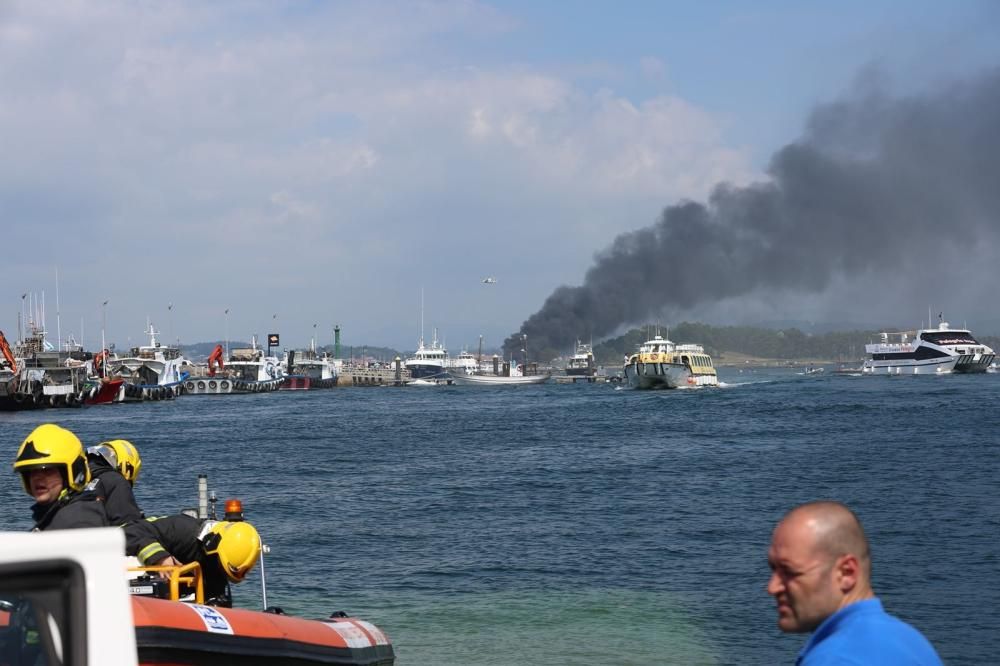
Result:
64,598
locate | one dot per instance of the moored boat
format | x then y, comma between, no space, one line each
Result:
307,369
151,372
39,375
429,361
661,364
504,374
581,364
500,380
247,370
927,351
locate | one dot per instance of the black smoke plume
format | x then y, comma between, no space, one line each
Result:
873,183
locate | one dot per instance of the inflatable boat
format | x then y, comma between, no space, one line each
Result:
174,632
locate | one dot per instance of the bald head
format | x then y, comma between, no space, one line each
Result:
819,563
832,530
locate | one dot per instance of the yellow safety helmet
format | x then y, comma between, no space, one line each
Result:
122,455
49,445
236,544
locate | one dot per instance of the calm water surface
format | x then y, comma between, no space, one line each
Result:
581,524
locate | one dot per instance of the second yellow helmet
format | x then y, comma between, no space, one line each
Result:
236,544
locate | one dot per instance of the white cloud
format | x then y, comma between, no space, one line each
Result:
204,133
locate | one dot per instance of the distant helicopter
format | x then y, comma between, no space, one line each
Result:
489,280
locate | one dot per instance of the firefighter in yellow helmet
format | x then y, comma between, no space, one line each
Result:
114,465
226,550
53,469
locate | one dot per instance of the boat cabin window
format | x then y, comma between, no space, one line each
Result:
44,605
948,338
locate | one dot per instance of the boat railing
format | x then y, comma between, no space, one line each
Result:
188,575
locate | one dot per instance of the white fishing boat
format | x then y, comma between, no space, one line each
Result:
505,374
500,380
661,364
927,351
581,363
247,370
151,372
429,361
463,364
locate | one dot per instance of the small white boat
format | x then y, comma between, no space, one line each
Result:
424,382
499,380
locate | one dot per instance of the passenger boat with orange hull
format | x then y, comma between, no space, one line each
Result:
173,632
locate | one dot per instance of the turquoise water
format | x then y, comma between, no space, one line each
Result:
572,524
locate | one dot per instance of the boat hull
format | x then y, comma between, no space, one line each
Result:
652,376
498,380
426,370
107,391
173,632
227,386
935,366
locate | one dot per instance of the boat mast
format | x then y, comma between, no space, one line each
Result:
58,322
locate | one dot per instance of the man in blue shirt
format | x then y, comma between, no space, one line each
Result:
821,581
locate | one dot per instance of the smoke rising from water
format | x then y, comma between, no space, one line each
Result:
874,185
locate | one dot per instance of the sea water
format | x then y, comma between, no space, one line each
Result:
581,524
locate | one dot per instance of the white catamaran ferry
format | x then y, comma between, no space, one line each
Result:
927,351
660,364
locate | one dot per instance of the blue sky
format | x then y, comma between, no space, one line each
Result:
318,163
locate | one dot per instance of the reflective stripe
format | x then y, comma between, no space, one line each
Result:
149,551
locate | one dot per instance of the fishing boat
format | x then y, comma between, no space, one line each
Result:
39,375
463,364
151,372
581,363
500,380
927,351
504,374
247,370
429,361
306,369
661,364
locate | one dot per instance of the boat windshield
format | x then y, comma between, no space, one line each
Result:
948,338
